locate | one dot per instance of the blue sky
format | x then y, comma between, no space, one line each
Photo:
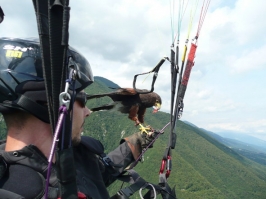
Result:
226,90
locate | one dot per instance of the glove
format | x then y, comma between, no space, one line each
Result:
138,141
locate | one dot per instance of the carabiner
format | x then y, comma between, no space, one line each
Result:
64,99
168,166
162,166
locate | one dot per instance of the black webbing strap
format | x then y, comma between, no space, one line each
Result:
166,162
57,52
53,18
108,163
138,183
58,29
155,70
174,71
41,10
58,13
33,107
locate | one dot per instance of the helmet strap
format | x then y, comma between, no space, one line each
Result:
32,107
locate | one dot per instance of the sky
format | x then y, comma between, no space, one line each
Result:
122,38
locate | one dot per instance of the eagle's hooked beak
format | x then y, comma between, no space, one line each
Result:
156,107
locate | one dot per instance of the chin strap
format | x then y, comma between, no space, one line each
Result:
33,108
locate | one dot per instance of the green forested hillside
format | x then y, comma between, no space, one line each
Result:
256,153
2,128
202,166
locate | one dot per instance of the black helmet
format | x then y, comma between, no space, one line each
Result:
21,75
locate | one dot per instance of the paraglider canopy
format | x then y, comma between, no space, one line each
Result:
1,15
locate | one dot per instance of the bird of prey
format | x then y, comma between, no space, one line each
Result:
129,101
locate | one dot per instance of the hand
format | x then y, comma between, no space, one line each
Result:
138,141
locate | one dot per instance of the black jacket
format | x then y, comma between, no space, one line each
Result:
20,170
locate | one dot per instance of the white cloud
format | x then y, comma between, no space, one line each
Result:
248,17
253,59
226,89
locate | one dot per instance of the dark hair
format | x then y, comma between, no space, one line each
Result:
16,118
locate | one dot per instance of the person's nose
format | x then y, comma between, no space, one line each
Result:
87,111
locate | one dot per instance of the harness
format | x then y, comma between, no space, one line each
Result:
96,147
20,170
29,162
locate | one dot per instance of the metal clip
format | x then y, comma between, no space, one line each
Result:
64,99
74,73
106,160
180,108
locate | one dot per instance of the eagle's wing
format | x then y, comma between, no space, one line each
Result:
116,95
125,91
105,107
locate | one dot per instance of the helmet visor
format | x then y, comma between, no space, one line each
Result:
20,61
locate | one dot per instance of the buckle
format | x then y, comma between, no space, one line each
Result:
106,160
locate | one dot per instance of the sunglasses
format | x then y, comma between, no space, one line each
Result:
81,97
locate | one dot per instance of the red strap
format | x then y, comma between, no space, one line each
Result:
192,52
80,196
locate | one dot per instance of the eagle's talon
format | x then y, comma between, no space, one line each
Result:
144,129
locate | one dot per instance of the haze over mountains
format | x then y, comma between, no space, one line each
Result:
248,146
243,138
240,137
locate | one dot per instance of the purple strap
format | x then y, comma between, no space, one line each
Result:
61,119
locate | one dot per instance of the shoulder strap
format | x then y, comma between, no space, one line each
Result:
33,107
3,166
138,183
96,147
92,145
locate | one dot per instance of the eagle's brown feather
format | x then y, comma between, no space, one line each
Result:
132,103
